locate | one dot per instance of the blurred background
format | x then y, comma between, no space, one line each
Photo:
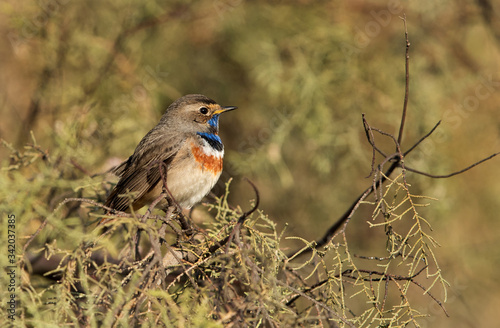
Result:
90,78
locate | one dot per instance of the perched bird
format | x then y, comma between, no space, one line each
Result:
184,147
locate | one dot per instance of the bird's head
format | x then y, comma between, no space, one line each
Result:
195,114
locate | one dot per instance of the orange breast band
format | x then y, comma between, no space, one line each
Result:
207,162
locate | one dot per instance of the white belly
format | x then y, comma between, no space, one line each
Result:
193,178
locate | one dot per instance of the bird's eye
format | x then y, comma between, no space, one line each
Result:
204,110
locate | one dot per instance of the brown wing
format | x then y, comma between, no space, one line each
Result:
120,169
141,172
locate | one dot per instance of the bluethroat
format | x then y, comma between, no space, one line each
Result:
184,148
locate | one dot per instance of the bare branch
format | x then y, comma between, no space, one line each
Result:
432,296
40,228
244,216
407,82
435,176
422,139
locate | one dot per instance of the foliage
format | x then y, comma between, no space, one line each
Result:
144,269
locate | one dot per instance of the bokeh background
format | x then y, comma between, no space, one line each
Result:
92,77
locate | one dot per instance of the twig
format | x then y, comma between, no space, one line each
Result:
422,139
375,257
92,202
40,228
432,296
407,82
242,218
186,271
81,168
403,295
137,237
435,176
307,290
152,206
158,255
371,141
386,291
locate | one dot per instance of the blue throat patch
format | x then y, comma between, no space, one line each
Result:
214,121
212,139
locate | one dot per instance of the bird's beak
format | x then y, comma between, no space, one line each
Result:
224,109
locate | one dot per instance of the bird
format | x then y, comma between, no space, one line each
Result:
184,148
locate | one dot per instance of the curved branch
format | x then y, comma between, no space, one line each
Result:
227,241
436,176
